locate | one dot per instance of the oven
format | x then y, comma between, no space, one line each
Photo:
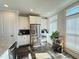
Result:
12,51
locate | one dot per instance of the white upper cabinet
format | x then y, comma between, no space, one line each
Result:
35,19
8,25
23,22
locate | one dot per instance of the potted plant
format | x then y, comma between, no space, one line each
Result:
54,36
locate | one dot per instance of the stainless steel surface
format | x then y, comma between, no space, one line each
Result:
12,51
35,34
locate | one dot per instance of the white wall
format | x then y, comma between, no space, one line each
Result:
61,22
43,23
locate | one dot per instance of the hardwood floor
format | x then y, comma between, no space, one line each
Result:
23,51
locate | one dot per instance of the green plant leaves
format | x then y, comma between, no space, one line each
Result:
54,35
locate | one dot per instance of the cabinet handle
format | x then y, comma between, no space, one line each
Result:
12,35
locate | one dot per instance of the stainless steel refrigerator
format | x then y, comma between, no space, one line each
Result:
35,34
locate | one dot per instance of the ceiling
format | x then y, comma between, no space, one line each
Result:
43,7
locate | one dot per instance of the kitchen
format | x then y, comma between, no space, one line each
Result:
10,25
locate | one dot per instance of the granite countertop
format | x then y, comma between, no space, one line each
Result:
5,44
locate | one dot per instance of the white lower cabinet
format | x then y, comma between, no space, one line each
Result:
23,40
5,55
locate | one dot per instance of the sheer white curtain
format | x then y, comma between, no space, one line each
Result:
77,32
72,32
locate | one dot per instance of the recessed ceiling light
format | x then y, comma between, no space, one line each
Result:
5,5
31,10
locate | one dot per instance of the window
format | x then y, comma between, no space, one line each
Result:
53,24
72,11
72,30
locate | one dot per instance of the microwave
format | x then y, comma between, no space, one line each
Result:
24,32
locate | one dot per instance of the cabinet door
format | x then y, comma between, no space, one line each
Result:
1,26
5,27
23,40
8,25
35,19
12,26
23,22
